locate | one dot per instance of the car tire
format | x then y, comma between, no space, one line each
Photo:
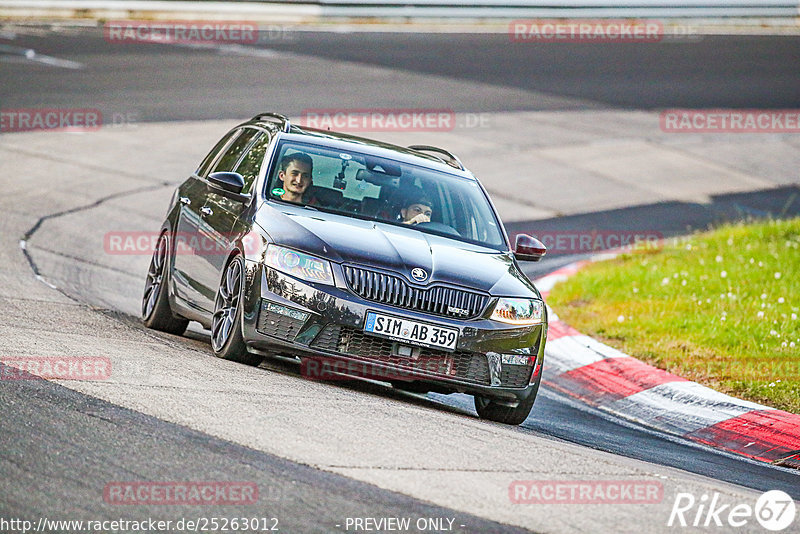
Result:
226,323
156,311
500,413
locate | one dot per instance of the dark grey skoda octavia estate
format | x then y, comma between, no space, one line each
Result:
357,258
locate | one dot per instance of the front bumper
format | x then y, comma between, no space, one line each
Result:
286,315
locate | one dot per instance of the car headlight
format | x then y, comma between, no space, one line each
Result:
299,264
518,311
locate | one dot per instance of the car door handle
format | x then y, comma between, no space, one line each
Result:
185,201
205,211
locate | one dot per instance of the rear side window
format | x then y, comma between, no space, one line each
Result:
235,151
202,170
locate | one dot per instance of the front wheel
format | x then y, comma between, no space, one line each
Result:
226,324
156,312
500,413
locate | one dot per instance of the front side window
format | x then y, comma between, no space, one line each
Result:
202,170
231,156
250,165
369,187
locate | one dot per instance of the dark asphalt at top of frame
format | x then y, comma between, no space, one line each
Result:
163,83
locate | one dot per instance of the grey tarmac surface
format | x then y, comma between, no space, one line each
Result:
61,450
438,453
432,450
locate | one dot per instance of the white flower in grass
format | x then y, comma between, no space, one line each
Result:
683,282
724,274
719,259
665,281
777,276
763,296
780,300
791,345
760,314
794,317
621,319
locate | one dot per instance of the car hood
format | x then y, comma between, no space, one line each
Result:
394,248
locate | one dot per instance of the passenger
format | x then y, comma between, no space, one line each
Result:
417,209
295,173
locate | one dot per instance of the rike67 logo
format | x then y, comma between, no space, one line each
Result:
774,510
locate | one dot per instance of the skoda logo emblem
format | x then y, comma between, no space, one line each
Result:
419,274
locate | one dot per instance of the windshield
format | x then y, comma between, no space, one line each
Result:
369,187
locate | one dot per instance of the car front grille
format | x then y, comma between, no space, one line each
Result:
394,291
463,365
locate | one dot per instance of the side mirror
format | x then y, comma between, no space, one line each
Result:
228,185
527,248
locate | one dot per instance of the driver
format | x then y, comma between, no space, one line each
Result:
295,173
417,209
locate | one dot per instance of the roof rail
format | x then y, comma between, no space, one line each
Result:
283,120
451,160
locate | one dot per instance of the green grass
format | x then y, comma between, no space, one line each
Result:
720,308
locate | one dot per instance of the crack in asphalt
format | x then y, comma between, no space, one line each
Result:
87,262
121,317
23,242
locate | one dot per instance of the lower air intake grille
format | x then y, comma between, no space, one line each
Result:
467,366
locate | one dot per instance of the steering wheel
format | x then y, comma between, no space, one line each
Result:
440,227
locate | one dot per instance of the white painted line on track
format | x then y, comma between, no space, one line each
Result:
233,50
30,54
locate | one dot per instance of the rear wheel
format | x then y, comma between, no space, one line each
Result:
226,324
500,413
156,312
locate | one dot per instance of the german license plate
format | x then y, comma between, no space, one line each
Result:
412,332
